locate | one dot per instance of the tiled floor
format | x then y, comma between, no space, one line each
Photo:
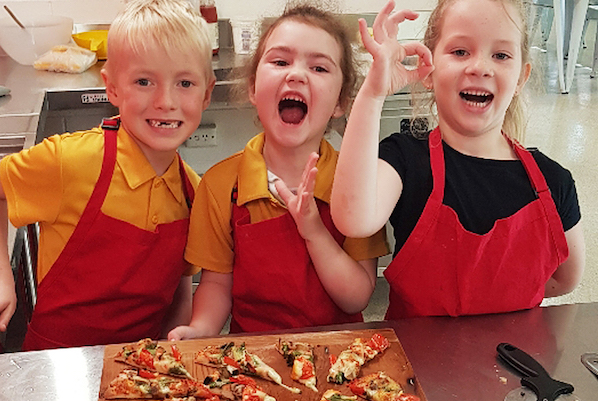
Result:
565,127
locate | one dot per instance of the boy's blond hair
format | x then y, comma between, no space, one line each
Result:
170,24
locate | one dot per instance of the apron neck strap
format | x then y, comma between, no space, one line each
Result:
437,164
187,187
531,167
536,177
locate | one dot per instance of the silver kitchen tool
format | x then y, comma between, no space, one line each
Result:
590,361
538,385
4,91
525,394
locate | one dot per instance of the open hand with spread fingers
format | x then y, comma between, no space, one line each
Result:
302,204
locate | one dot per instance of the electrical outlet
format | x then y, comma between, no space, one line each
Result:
204,136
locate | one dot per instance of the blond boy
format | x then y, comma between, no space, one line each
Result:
112,202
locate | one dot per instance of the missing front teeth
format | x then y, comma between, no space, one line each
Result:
165,124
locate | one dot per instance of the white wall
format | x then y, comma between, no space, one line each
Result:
230,8
82,11
104,11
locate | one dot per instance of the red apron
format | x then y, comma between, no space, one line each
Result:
275,284
113,282
442,269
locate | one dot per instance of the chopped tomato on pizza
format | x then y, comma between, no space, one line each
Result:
238,388
236,359
301,357
379,387
348,364
214,356
148,354
133,383
248,389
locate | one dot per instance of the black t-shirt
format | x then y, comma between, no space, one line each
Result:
480,191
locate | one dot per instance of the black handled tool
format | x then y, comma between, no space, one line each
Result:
534,375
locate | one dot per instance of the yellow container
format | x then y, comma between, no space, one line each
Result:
96,41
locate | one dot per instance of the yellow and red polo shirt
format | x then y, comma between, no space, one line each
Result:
51,182
210,244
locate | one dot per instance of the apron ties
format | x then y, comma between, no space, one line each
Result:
275,284
113,282
443,269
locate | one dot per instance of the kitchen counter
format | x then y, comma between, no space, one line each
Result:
20,110
453,358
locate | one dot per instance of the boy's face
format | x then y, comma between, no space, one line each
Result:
160,97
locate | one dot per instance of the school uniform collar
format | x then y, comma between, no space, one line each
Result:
253,176
137,170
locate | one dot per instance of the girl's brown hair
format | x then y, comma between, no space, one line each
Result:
314,16
515,117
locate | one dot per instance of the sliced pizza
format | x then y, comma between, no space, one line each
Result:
301,357
148,354
335,395
237,388
237,360
348,364
380,387
247,389
134,383
214,356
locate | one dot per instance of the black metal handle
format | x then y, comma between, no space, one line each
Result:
535,376
520,360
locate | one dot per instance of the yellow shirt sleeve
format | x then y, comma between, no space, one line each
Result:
32,182
210,243
367,248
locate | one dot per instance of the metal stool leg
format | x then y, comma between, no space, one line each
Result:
25,260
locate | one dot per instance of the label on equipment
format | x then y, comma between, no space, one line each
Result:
214,35
88,98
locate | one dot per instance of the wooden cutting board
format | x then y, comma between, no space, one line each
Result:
393,361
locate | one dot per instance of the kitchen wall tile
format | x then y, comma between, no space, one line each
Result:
88,11
26,8
103,11
261,8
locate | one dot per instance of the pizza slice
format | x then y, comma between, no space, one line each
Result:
237,360
251,364
379,387
301,357
143,384
335,395
237,388
348,364
214,356
247,389
148,354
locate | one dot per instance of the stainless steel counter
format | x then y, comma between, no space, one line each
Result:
454,358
